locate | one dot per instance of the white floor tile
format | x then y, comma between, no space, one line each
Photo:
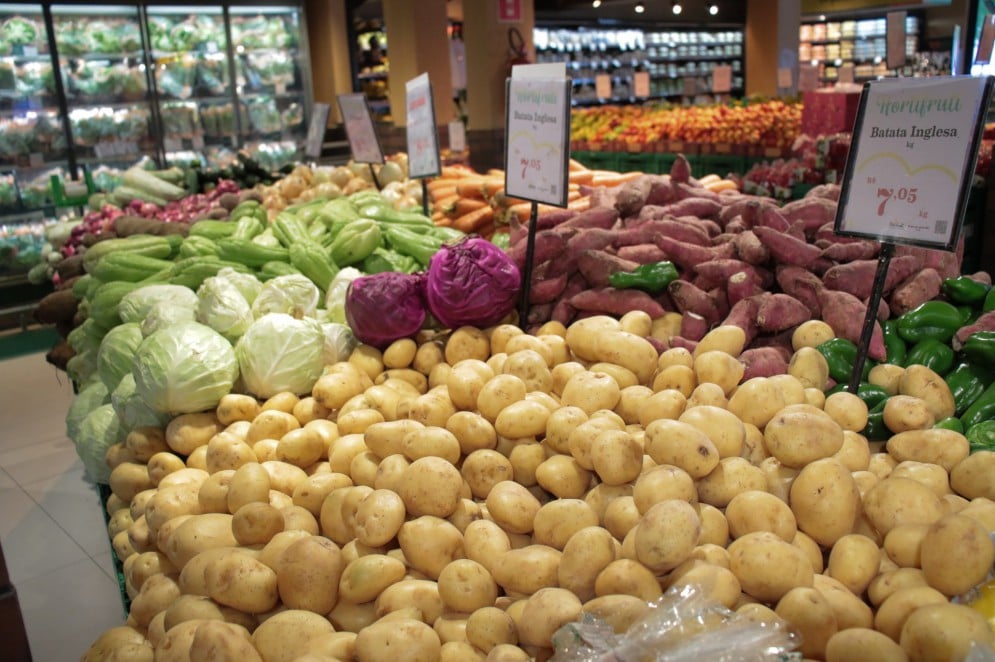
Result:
6,482
67,609
33,544
36,398
74,503
106,562
41,459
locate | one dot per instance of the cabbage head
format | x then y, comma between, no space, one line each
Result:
82,368
135,305
184,368
339,342
280,353
132,410
337,289
100,430
86,336
117,353
223,308
293,294
247,284
88,399
165,314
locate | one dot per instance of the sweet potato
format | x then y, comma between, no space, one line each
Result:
827,191
717,272
548,245
642,253
608,300
771,217
633,194
661,192
590,239
736,225
916,289
693,326
946,263
802,284
780,342
747,206
982,277
780,312
845,314
595,217
762,362
547,290
828,232
815,211
984,323
749,248
597,266
797,230
741,285
647,233
685,191
850,251
648,213
711,228
857,277
689,298
539,313
786,249
687,255
698,207
563,312
680,170
602,197
744,315
682,342
548,219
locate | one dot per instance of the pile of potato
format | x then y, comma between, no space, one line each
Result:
462,498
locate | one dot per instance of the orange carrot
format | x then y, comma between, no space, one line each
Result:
581,176
456,171
469,222
443,192
434,185
470,187
467,205
493,186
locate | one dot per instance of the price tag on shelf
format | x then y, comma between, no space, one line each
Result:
641,83
845,74
808,77
538,133
895,39
422,136
603,86
316,129
722,79
363,140
457,136
785,78
689,86
29,51
909,170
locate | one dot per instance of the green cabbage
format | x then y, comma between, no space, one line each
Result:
132,410
280,353
247,284
86,336
184,368
293,294
135,306
117,353
82,367
335,299
339,342
100,430
88,399
223,308
166,313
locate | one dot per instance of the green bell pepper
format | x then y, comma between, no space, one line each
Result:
653,277
876,430
966,383
979,348
871,394
933,319
965,290
982,409
989,304
950,423
840,355
981,436
894,346
935,355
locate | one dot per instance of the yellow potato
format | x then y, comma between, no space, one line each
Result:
308,573
757,510
717,582
562,373
582,437
718,367
811,333
591,391
527,569
417,640
679,378
489,627
531,366
847,409
727,338
923,383
616,457
732,476
895,501
756,401
887,376
971,477
721,426
812,616
825,501
932,476
944,632
768,567
564,477
636,322
957,554
801,434
512,506
631,401
431,486
666,534
903,544
544,613
582,336
863,645
668,404
662,483
850,610
897,607
366,577
525,418
905,412
854,561
256,523
810,367
557,521
628,350
628,577
588,551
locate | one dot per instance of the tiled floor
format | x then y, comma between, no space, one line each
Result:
51,526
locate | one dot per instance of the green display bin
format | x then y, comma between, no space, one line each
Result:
719,164
598,160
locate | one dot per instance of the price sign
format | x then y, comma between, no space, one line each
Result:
457,136
845,74
785,78
362,135
689,86
641,83
721,79
910,167
423,138
895,38
316,129
603,86
808,77
538,135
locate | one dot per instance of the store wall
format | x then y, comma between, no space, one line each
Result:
328,39
771,38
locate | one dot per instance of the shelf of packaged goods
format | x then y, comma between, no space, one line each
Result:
96,57
696,58
287,94
74,104
42,109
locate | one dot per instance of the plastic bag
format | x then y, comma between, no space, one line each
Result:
681,626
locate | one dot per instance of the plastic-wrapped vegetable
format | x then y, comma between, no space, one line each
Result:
20,31
100,430
471,283
117,353
370,297
280,353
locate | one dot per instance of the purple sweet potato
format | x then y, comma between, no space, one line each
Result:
718,295
683,343
711,228
733,209
741,285
946,263
687,255
642,253
762,362
828,232
680,170
771,217
797,230
984,323
540,313
815,211
563,312
689,298
744,315
597,266
827,191
547,290
591,239
595,217
857,277
749,248
633,195
685,191
850,251
914,290
661,192
780,312
736,225
608,300
648,213
548,245
602,197
648,231
698,207
786,249
803,285
716,272
845,314
552,218
780,342
693,326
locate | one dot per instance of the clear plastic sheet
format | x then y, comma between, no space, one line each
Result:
681,626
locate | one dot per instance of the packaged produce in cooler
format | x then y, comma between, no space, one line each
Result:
18,31
292,116
262,32
8,191
8,75
177,77
178,36
270,68
212,74
180,120
34,78
264,115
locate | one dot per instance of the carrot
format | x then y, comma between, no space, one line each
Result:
493,186
575,165
443,221
580,204
470,187
467,205
469,222
446,204
580,176
456,172
434,185
495,172
443,192
721,185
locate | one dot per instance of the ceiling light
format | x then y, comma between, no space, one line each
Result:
596,4
640,8
676,8
713,9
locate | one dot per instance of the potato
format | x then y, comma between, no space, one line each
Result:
666,534
420,594
727,338
850,610
854,561
311,492
847,409
215,639
721,426
366,577
897,607
333,390
768,567
895,501
585,555
732,476
825,501
256,523
171,502
811,615
198,533
678,378
944,632
284,477
525,418
340,645
591,391
903,544
512,506
527,569
932,476
981,510
162,465
308,409
563,476
128,479
624,377
815,397
581,439
971,477
617,457
661,483
175,645
905,412
625,576
557,521
887,376
484,541
156,594
863,645
467,343
757,510
400,353
619,611
119,644
717,582
227,451
427,356
286,636
465,586
718,367
544,613
628,350
531,365
800,434
284,402
144,442
811,333
238,580
756,401
957,554
668,404
933,446
921,382
708,394
187,432
429,543
810,367
488,627
465,381
308,573
431,486
499,392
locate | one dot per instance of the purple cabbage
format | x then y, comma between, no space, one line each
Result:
385,307
471,283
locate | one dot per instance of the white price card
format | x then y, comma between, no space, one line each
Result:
721,79
641,83
909,170
537,137
895,39
603,86
845,74
808,77
316,129
457,136
363,140
785,78
423,138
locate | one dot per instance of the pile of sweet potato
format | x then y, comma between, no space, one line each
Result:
743,260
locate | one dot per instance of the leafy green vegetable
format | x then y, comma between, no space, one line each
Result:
117,353
19,31
280,353
100,430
